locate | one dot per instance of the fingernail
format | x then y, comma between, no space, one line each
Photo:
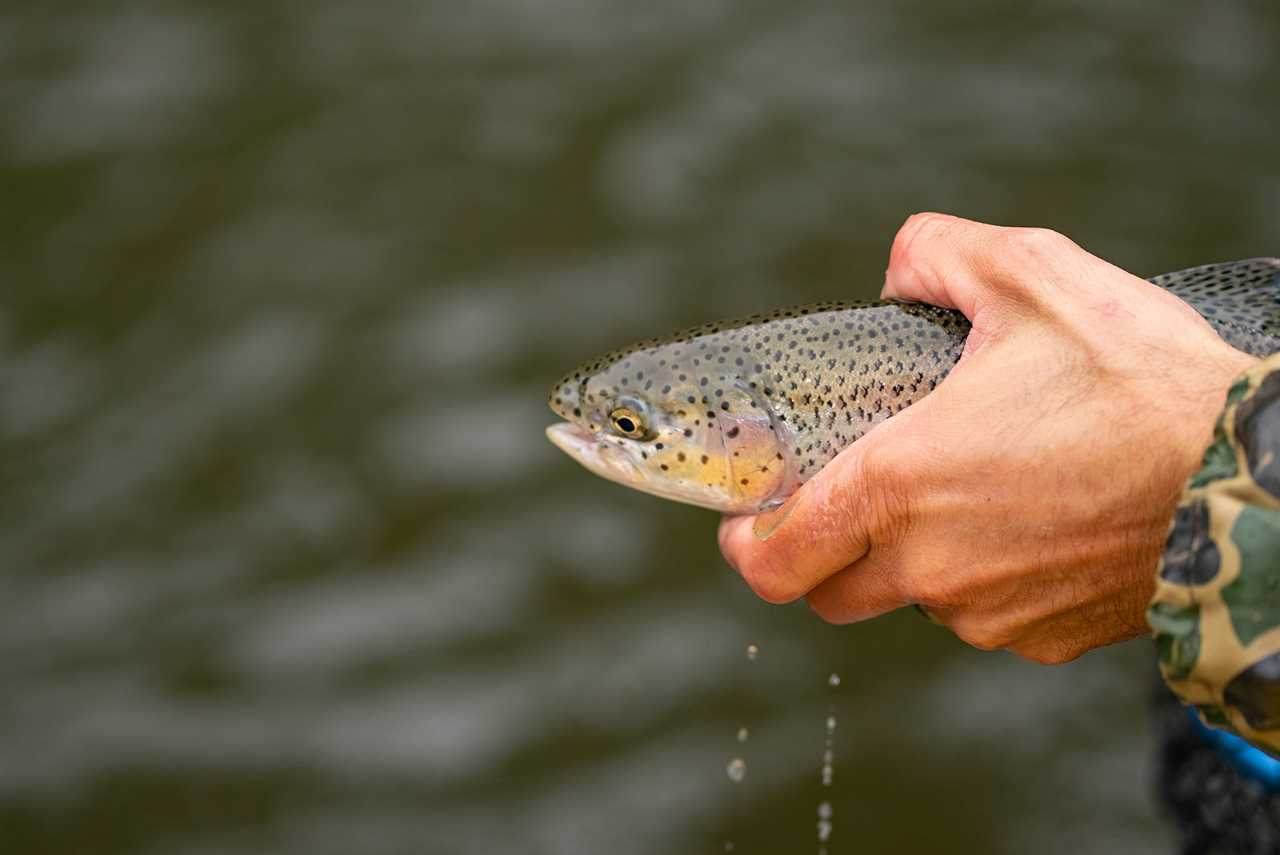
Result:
766,524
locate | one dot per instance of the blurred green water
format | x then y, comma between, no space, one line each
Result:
287,565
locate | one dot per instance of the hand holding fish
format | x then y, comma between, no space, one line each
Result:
1025,501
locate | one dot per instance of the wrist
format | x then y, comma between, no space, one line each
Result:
1214,614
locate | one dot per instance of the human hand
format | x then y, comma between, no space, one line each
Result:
1024,503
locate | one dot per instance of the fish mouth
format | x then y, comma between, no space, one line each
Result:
615,464
601,458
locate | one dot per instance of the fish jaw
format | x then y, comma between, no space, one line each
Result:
612,460
600,458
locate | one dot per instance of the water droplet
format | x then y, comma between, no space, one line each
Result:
828,757
824,830
728,846
833,680
824,810
737,769
743,733
831,723
752,652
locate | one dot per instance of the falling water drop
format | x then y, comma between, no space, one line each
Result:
752,652
824,824
737,769
728,846
743,734
833,680
831,724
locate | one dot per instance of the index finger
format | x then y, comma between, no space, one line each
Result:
940,259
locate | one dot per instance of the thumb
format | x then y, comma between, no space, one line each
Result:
828,524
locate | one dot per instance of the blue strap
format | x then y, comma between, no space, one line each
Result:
1252,762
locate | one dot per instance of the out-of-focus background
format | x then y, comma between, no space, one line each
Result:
286,564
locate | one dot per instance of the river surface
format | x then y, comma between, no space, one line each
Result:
286,563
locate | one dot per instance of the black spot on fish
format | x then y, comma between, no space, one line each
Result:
733,431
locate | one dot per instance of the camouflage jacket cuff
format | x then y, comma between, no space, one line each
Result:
1216,609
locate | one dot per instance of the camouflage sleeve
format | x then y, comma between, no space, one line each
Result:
1216,610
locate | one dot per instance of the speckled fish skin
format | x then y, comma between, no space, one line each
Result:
735,415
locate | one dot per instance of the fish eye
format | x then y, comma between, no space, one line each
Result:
627,422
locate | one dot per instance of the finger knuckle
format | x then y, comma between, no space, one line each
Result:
828,607
980,639
1051,651
770,578
1033,242
984,634
915,233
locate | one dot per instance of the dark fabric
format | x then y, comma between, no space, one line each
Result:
1216,809
1258,431
1191,557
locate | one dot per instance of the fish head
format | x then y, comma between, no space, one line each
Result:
653,423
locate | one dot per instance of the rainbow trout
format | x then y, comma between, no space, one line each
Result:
735,415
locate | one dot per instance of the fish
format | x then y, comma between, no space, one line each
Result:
735,415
